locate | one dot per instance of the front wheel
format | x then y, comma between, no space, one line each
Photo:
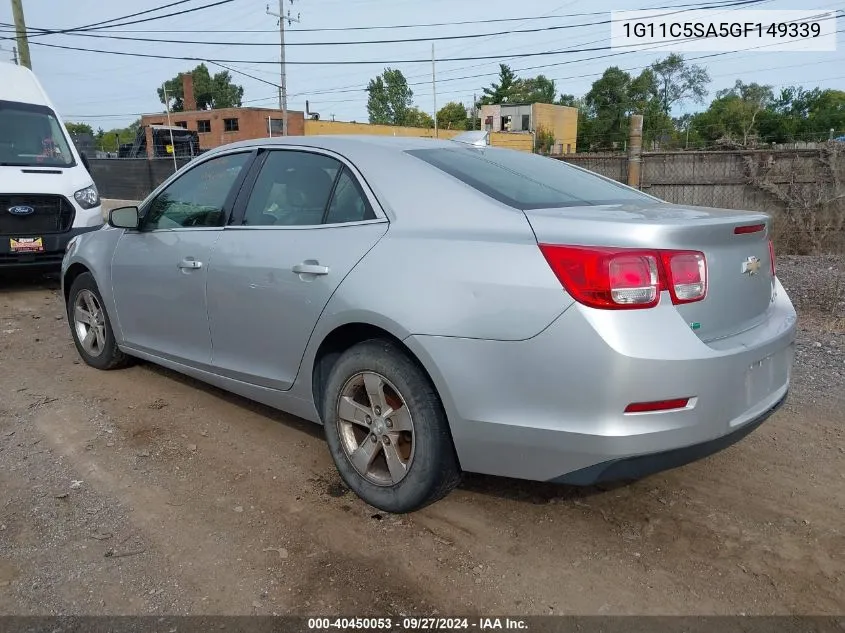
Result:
90,326
386,429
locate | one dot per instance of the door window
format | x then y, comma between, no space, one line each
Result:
292,189
197,198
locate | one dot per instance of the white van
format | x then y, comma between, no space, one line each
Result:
47,195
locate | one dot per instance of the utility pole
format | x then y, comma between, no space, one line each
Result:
15,54
20,31
474,113
170,126
635,150
434,89
283,88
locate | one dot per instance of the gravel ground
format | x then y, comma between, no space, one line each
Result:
143,492
816,286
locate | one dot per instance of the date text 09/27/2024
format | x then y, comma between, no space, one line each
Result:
418,624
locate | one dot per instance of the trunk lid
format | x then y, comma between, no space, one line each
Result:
739,278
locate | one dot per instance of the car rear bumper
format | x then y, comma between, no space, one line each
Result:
553,405
51,257
644,465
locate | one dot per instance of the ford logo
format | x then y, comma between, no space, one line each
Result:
21,210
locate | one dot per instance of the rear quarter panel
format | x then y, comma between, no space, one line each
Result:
454,262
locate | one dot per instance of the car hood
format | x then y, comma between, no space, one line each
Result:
44,180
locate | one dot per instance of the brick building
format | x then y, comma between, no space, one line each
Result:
226,125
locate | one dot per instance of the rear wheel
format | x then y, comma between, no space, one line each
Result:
90,326
386,429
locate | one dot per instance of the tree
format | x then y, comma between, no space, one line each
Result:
612,99
569,101
452,116
796,114
734,112
608,108
111,139
678,81
210,92
539,89
500,92
414,117
78,128
389,98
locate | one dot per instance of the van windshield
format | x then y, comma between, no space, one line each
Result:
31,136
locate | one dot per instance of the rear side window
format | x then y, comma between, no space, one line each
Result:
527,181
348,202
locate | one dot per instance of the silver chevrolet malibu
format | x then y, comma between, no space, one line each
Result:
445,306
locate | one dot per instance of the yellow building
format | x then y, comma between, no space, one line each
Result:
523,142
534,119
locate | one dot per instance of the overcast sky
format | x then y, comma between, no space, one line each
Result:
110,91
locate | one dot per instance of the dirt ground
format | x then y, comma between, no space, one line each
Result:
143,492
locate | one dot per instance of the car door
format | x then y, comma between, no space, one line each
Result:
159,272
302,222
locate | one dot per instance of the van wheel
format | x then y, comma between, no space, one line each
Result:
387,430
90,326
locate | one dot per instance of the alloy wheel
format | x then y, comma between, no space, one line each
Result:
376,428
89,323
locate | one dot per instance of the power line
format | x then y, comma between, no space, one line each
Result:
240,72
465,36
31,32
134,15
699,5
361,62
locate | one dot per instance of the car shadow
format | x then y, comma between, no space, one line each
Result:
533,492
12,280
292,421
519,490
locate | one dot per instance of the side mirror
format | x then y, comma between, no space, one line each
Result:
124,218
84,157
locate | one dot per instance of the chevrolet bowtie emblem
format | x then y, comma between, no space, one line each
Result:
751,266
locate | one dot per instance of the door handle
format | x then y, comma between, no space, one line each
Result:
189,264
310,269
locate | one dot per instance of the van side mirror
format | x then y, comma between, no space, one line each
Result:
124,218
84,157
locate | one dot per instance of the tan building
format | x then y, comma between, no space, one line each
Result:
227,125
530,118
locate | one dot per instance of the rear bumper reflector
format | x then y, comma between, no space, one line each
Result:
657,405
751,228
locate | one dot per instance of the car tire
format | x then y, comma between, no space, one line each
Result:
95,343
408,464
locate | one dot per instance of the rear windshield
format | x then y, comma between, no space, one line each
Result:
527,181
30,135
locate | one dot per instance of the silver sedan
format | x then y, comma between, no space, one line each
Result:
442,307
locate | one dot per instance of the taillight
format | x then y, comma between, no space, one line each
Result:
623,278
772,257
611,278
687,275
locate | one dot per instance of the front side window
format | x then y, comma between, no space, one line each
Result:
197,198
31,136
292,189
527,181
